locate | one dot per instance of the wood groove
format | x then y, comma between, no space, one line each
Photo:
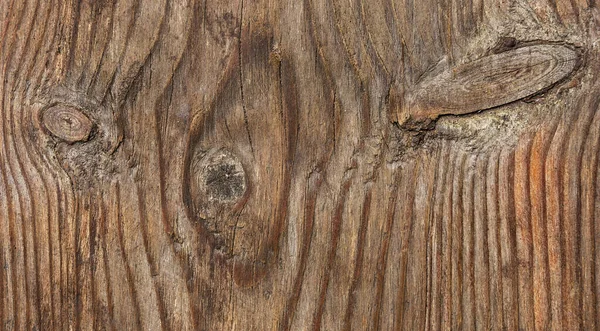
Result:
131,287
364,222
309,214
382,261
7,104
144,217
588,245
337,219
468,231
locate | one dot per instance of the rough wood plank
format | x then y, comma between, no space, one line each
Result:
299,165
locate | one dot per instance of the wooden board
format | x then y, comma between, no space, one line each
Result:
299,165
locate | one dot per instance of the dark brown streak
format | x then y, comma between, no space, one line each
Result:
74,35
153,266
596,237
358,264
60,216
374,56
50,43
392,26
141,192
575,182
593,228
102,57
241,76
560,205
161,163
78,288
332,12
45,185
5,29
130,278
91,38
435,258
457,224
4,145
12,245
136,13
103,237
309,211
407,229
446,252
498,239
336,225
27,184
524,280
485,240
544,227
309,217
3,279
449,33
36,49
555,9
471,268
594,113
157,127
428,254
289,106
512,227
381,270
575,10
337,218
95,217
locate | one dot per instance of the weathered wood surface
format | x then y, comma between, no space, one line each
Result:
299,165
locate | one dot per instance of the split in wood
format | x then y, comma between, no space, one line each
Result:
488,82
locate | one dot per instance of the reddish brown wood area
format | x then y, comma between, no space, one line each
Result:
299,165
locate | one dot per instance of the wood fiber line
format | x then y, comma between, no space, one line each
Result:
588,176
457,243
481,249
358,264
508,244
384,251
541,279
22,232
572,211
445,277
553,210
468,246
522,204
435,288
596,238
405,214
493,242
337,219
125,259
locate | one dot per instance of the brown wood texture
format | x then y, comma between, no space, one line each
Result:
299,165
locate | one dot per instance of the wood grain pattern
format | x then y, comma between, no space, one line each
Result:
299,165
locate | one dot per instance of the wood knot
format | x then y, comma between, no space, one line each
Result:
67,123
486,83
218,180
